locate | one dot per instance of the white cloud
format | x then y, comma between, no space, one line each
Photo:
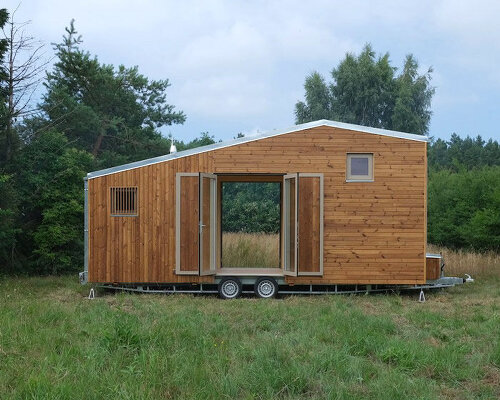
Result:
245,62
474,30
452,100
475,22
232,96
239,47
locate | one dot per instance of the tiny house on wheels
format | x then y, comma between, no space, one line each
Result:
352,215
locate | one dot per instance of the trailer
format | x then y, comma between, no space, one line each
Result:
353,215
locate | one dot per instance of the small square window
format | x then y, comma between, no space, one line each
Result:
359,167
123,201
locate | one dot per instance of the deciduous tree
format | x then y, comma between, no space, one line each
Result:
365,90
23,64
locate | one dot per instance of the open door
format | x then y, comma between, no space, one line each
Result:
208,223
290,224
310,224
187,210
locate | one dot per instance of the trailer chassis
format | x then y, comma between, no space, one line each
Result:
206,288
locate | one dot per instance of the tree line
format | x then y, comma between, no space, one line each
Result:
464,193
94,115
251,207
91,116
464,174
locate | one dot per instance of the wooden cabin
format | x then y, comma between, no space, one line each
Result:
353,210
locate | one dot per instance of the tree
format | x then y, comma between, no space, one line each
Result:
251,207
92,116
50,187
24,64
464,208
204,140
4,17
457,153
8,229
113,113
412,108
318,100
366,91
464,193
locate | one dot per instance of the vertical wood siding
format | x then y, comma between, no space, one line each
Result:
309,224
189,223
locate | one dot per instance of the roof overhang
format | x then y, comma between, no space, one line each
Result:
258,136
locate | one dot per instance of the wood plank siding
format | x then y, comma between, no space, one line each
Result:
374,232
433,268
309,224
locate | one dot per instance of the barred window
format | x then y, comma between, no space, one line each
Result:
123,201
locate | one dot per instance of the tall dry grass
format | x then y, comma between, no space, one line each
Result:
247,250
250,250
460,262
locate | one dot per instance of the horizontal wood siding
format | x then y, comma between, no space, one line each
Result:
374,232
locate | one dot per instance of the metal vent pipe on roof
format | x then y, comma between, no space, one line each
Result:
173,149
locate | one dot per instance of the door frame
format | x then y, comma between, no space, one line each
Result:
285,230
215,228
213,224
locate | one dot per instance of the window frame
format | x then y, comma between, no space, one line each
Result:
113,190
360,178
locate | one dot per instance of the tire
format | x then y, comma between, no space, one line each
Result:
230,288
266,288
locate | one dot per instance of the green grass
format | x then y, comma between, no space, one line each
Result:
56,344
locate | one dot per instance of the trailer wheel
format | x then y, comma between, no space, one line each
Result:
230,288
266,288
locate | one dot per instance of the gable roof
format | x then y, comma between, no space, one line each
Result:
258,136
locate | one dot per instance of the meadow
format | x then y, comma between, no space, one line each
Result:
57,344
460,262
244,250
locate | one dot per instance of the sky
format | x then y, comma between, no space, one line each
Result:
239,66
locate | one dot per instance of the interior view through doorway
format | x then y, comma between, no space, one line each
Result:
250,219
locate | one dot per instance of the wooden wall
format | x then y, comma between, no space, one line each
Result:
374,232
433,268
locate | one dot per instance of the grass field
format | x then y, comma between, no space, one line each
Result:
460,262
245,250
262,250
57,344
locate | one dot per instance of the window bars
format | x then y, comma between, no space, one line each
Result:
124,201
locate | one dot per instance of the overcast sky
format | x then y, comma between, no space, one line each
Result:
239,66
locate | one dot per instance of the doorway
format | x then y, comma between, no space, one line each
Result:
250,213
249,224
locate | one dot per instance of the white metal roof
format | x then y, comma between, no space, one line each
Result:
258,136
